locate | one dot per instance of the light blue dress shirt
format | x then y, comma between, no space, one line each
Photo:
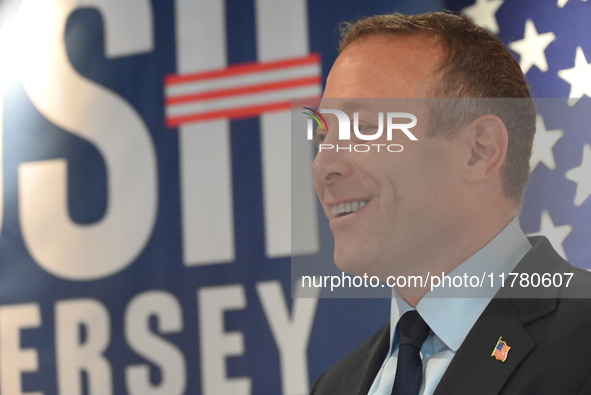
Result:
451,318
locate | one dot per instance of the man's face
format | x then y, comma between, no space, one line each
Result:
410,198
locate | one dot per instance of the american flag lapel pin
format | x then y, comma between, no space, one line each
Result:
501,350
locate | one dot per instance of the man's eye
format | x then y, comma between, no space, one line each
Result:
366,128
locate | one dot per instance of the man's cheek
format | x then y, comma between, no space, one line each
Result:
319,190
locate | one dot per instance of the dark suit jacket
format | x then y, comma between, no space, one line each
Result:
549,334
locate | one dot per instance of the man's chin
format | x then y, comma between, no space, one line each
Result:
356,264
352,265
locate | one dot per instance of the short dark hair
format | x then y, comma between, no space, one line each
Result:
476,65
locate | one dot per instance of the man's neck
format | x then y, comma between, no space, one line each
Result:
466,248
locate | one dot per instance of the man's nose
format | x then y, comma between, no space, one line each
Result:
331,164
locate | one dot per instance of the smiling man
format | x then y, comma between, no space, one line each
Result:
447,203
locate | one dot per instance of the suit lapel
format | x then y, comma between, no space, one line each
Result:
378,353
473,369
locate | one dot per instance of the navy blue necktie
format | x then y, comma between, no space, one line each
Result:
412,332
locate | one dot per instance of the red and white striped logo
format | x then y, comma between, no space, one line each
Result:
240,91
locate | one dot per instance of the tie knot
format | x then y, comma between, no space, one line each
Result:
413,330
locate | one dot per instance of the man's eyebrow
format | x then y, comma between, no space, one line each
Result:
347,106
354,105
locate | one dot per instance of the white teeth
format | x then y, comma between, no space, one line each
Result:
348,207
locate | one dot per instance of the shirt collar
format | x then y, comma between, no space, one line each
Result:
451,318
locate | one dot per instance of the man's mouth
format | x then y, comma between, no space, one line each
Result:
346,208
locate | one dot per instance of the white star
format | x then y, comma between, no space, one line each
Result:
582,176
556,234
562,3
544,141
579,77
531,48
483,13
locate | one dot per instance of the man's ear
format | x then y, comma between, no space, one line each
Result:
487,142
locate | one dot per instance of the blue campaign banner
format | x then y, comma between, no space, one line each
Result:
145,245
